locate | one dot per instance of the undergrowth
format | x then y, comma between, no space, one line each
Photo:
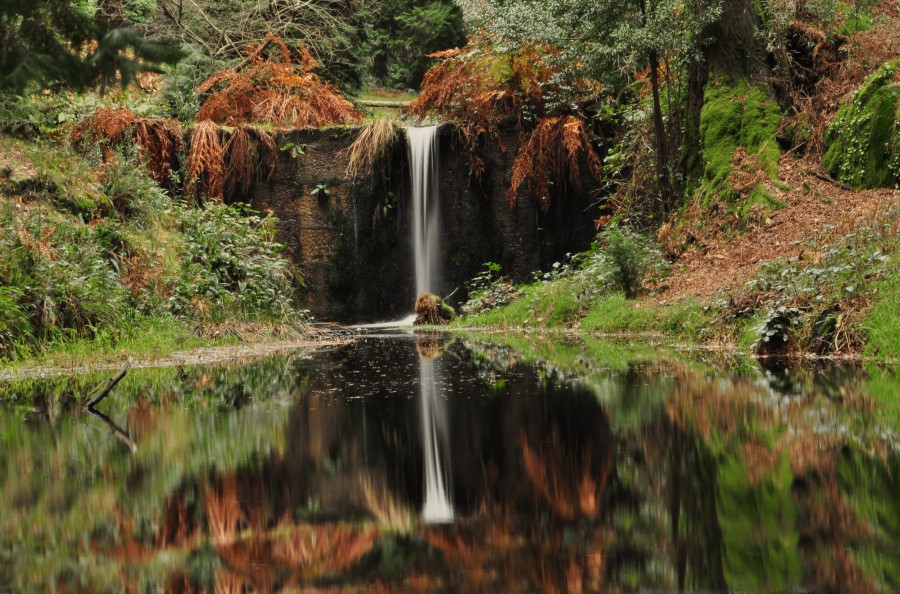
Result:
139,260
817,303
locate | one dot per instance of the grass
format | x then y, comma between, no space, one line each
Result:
883,322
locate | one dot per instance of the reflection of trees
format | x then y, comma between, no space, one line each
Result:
675,482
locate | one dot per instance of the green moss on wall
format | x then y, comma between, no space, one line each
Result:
862,145
737,115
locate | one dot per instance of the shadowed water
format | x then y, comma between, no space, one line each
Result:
425,464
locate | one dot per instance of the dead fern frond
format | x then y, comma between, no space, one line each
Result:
278,88
552,154
480,86
240,169
206,163
161,143
109,125
250,156
372,143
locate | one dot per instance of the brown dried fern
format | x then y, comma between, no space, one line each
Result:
278,88
551,154
206,163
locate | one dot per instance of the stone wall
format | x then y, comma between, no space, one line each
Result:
351,238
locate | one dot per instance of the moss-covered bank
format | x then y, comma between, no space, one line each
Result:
863,142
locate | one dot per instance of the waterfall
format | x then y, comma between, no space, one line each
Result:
423,177
437,508
423,172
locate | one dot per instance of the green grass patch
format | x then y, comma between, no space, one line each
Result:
615,314
882,325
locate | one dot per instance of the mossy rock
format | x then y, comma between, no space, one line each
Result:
862,145
738,118
431,309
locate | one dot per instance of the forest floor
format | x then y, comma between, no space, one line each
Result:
816,213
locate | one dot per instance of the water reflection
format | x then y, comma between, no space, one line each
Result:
437,508
403,465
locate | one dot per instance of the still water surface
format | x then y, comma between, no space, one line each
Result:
399,463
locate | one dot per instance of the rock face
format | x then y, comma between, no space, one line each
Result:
351,238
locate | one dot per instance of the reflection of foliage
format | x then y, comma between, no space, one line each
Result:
570,488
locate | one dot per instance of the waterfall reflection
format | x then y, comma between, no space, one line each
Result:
437,508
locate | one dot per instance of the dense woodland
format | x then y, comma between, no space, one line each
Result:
746,157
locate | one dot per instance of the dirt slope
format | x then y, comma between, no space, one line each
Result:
815,211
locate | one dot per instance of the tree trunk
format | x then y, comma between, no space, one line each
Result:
738,49
662,146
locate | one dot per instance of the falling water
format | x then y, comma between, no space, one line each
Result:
423,162
438,508
423,167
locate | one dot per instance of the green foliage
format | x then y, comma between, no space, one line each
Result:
231,263
488,290
182,80
810,305
736,118
621,257
882,325
62,41
141,260
403,33
863,142
630,257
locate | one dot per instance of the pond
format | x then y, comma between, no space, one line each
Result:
429,463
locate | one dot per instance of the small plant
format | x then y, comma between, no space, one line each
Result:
321,191
630,258
294,150
488,290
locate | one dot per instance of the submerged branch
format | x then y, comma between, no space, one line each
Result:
109,386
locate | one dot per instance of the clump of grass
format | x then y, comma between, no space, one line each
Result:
371,144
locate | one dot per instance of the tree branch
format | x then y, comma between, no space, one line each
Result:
109,386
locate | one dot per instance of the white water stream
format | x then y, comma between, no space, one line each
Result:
423,171
423,166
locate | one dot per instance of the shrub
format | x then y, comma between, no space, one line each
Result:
628,259
231,265
488,290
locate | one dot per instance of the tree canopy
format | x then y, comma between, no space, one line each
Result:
69,42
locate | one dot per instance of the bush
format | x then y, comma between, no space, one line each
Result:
488,290
230,262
